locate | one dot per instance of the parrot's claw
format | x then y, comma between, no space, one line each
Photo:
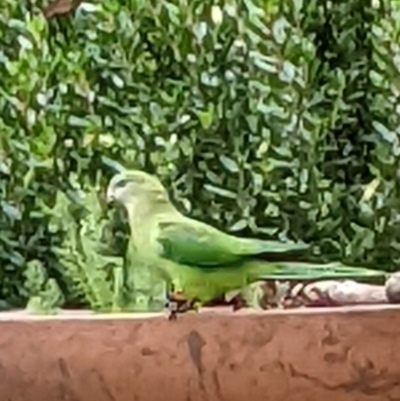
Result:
173,316
173,310
178,304
238,302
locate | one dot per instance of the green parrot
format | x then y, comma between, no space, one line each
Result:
201,262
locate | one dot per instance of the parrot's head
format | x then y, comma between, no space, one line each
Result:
133,186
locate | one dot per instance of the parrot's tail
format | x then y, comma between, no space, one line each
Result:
303,271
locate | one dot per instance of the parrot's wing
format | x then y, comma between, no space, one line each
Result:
195,243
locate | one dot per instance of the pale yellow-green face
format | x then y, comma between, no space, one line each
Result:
131,184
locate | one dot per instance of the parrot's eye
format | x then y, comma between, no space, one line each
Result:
125,181
122,183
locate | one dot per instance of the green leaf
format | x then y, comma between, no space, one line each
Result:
75,121
225,193
239,225
229,164
206,118
384,132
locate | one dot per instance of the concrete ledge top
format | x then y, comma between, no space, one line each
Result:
24,315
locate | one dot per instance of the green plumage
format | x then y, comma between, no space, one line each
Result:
202,261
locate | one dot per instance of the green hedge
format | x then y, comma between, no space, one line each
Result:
271,119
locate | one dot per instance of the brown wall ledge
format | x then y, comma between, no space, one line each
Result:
333,354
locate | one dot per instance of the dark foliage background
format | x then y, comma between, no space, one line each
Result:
275,119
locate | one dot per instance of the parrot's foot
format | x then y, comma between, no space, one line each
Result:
177,303
238,303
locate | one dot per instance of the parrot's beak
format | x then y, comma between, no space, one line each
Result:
110,195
